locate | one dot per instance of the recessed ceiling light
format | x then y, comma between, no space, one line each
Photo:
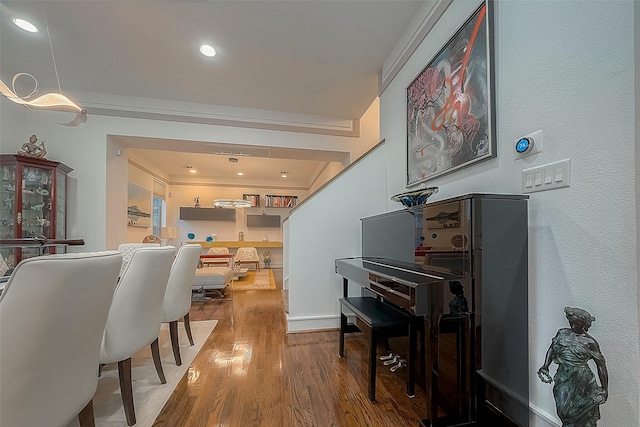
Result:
193,170
283,174
207,50
25,25
240,173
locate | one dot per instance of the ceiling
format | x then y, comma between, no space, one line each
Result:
316,57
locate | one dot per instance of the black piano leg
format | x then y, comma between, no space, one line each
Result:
372,364
343,328
413,344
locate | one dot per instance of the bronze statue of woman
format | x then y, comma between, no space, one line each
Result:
577,394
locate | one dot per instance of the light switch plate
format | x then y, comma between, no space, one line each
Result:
547,177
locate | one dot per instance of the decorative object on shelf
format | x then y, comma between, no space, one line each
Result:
138,206
576,392
32,149
240,236
451,105
415,197
214,237
48,101
265,238
266,258
191,236
208,239
196,202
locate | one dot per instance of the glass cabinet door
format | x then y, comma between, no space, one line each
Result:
36,216
8,211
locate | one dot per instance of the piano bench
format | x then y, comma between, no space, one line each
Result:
378,319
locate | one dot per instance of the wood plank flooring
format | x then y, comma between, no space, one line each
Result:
250,372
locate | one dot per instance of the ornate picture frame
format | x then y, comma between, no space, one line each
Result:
450,104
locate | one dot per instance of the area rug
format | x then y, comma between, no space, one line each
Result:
149,395
255,280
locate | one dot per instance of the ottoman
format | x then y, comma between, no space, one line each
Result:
211,278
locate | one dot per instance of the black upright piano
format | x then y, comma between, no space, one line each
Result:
460,265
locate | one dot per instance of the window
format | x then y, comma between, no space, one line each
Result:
158,214
158,218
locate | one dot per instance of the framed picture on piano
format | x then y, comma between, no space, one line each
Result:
450,104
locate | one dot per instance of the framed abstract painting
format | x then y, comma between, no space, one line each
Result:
450,104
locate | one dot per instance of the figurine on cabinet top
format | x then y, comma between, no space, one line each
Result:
196,201
32,149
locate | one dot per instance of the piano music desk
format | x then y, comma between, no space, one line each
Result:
377,319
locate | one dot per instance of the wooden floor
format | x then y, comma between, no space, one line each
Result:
250,372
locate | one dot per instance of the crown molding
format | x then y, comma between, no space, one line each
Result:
185,112
417,31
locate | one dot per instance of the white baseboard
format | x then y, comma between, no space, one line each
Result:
312,323
539,418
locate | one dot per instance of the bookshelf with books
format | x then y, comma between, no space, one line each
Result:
253,198
278,201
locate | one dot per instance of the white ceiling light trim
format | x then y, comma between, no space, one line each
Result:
25,25
207,50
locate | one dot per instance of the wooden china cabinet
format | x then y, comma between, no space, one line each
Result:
33,204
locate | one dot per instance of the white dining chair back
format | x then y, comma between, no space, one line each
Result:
177,298
53,311
127,250
135,316
136,311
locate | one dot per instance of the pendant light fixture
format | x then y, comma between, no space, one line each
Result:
232,203
49,101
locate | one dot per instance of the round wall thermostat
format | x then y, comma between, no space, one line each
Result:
524,145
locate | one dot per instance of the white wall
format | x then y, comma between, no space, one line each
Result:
327,227
636,32
13,126
555,72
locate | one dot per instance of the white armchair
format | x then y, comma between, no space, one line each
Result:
248,255
217,256
53,312
177,298
135,316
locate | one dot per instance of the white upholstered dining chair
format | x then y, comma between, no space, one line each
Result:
135,316
127,250
53,311
177,298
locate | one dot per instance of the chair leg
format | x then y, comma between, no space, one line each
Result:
175,345
85,417
155,352
187,328
126,389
